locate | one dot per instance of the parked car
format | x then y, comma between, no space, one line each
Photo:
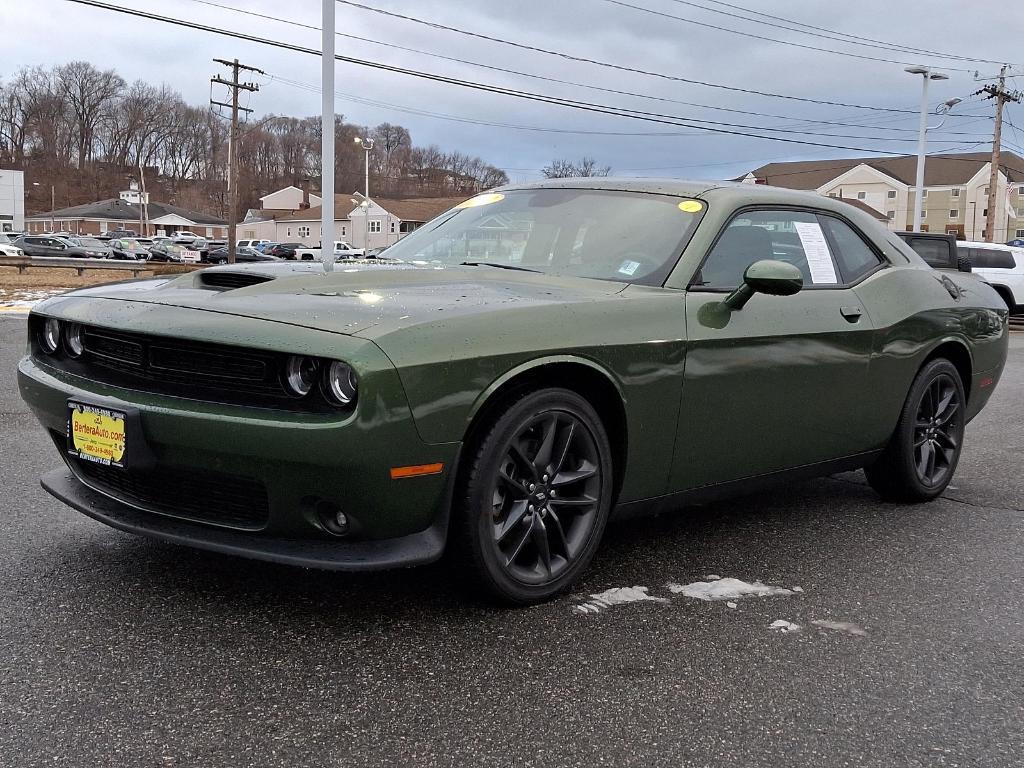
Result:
264,247
373,253
44,245
1002,266
342,250
283,250
939,250
643,345
251,243
184,236
128,249
182,253
242,255
110,234
97,248
1017,242
7,248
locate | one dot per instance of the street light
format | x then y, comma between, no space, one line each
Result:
367,145
922,138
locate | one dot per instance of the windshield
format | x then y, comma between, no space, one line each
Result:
88,242
627,236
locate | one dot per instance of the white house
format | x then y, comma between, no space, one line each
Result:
12,201
379,223
261,223
955,193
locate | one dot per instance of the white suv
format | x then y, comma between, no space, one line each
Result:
1002,266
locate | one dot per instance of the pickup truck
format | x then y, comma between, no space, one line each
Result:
342,250
939,250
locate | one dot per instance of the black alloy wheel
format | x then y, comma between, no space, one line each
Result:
937,430
537,498
924,450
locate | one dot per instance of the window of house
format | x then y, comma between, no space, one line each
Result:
891,194
862,195
343,230
303,231
954,213
986,191
924,194
954,192
375,225
924,213
392,227
1020,233
288,232
985,212
769,234
890,215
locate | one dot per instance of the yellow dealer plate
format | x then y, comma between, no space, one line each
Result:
96,434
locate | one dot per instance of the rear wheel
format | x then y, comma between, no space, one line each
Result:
922,455
535,498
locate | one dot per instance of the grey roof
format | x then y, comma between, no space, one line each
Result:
940,170
116,209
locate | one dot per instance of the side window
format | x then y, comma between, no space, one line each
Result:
990,258
795,237
934,252
853,256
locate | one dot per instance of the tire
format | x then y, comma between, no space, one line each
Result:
922,454
534,498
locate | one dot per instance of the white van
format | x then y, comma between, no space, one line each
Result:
250,243
1002,266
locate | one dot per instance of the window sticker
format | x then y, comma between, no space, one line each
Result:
629,268
690,206
819,258
476,202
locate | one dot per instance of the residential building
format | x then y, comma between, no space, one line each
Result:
12,201
261,223
955,195
126,212
381,223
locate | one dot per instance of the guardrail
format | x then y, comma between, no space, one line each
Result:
80,265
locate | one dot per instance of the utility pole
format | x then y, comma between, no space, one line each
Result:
1001,95
327,40
235,87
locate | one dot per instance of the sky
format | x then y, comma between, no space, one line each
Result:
52,32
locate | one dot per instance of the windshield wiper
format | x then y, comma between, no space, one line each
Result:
496,264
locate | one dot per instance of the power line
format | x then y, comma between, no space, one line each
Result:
620,67
545,78
706,25
484,87
829,34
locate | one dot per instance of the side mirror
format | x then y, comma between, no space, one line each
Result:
774,278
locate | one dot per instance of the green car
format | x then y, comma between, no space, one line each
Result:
511,375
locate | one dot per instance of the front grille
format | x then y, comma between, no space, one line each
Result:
198,495
229,281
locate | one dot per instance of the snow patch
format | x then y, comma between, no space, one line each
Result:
25,299
730,605
616,596
712,577
781,625
841,626
798,589
726,589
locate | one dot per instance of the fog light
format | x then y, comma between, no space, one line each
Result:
49,339
333,519
73,339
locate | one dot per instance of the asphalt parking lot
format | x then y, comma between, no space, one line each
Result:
115,650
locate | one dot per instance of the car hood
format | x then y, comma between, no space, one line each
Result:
356,298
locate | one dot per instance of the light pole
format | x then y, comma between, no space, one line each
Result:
367,144
922,136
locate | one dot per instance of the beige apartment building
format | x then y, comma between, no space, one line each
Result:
955,196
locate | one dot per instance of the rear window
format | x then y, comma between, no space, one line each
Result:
991,258
934,251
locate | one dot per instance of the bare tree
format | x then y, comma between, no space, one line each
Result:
89,93
585,166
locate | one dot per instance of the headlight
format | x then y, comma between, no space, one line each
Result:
73,339
49,339
300,374
340,383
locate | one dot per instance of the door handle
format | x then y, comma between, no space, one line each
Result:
852,314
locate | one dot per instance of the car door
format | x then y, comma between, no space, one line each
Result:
782,382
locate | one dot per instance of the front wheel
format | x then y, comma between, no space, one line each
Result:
923,452
535,498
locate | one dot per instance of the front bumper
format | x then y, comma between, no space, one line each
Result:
412,549
342,459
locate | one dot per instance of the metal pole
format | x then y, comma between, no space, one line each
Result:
367,168
53,204
922,142
327,137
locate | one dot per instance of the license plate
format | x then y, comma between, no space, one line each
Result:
97,434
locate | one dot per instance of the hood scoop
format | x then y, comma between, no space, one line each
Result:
229,281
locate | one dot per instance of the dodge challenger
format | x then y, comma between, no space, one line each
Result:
513,374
